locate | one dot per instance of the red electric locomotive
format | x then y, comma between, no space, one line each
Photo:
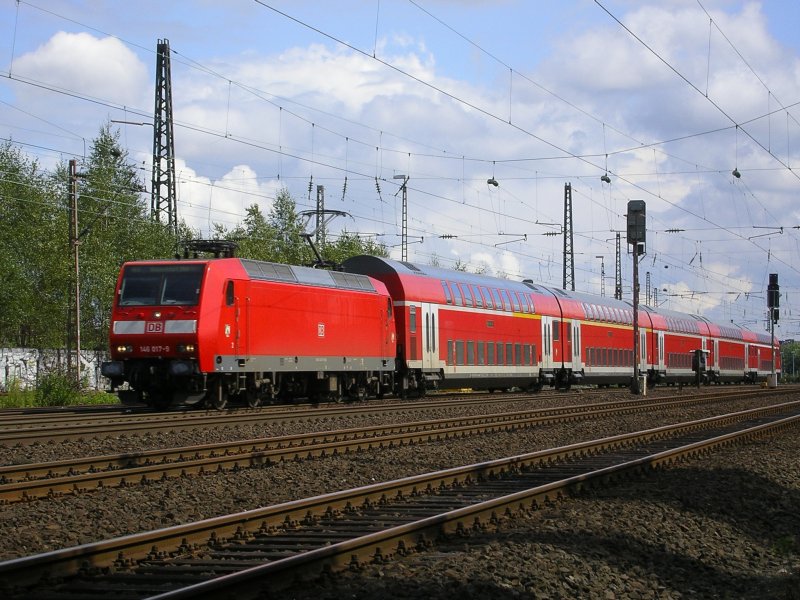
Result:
186,331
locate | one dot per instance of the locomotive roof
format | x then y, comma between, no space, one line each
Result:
267,271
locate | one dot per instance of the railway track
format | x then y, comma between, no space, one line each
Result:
22,429
26,429
237,555
75,475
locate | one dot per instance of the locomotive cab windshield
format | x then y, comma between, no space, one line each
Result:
158,285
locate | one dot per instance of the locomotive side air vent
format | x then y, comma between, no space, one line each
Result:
268,271
351,281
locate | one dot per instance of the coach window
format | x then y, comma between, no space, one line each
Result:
490,353
481,353
467,295
449,352
509,353
506,300
523,300
556,327
515,302
533,304
412,319
477,295
448,296
229,296
498,303
527,349
487,297
459,352
457,296
470,352
500,353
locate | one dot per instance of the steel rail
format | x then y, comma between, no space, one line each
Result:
124,553
50,479
27,432
29,429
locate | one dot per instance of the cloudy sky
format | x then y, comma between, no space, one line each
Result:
666,97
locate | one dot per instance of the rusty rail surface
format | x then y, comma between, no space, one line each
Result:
51,479
26,429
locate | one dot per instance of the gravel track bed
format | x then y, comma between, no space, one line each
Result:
678,534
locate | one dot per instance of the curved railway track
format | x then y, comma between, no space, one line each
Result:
22,429
75,475
237,555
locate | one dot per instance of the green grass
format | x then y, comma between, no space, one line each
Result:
54,389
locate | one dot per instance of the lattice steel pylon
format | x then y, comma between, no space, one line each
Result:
163,194
618,274
569,254
320,228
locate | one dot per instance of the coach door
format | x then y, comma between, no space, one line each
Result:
643,351
547,342
660,339
576,346
430,336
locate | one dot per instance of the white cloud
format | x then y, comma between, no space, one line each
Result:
102,68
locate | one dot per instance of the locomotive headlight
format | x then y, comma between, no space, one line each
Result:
124,348
187,348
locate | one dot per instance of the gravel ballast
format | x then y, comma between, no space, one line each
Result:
724,526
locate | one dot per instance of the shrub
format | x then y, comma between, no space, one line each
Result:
57,388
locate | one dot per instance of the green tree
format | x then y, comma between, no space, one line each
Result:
288,245
256,236
114,226
33,230
790,360
279,237
350,244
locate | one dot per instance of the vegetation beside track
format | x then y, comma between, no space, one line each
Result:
53,389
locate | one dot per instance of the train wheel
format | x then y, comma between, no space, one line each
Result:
252,397
217,396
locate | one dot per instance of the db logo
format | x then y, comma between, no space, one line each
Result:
320,329
154,327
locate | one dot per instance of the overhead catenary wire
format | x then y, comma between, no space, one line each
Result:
324,161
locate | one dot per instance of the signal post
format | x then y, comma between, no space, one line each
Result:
637,238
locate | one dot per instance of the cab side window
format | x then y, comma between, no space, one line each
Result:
229,296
